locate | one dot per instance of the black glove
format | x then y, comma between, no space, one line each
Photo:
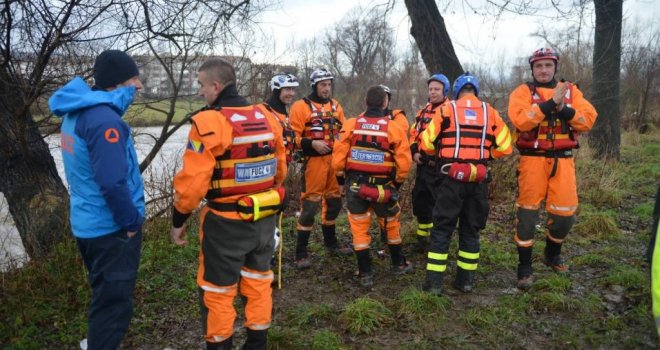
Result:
397,185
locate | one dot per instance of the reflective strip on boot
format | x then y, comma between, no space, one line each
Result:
468,261
436,262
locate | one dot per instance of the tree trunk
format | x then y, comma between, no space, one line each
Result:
428,29
37,199
605,138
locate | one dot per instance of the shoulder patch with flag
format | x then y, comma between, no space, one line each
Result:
195,146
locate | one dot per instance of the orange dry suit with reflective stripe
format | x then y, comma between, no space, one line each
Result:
373,158
288,136
466,136
423,193
233,152
546,139
316,119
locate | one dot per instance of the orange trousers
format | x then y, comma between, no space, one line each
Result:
320,185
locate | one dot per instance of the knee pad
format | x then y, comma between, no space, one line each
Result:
526,225
559,226
309,210
333,208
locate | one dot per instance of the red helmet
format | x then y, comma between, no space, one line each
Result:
546,53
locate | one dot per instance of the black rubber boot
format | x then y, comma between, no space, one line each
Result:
223,345
525,271
301,244
464,280
433,282
256,340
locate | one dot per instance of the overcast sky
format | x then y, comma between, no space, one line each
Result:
477,39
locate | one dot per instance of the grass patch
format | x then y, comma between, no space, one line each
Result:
554,301
309,314
644,211
327,340
285,338
365,315
599,225
421,304
627,276
593,260
554,283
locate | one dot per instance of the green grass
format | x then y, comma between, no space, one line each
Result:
365,315
627,276
327,340
309,314
421,305
598,225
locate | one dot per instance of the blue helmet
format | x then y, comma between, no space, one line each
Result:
440,78
465,79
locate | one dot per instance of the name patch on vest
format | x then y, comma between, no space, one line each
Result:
370,127
470,114
367,156
250,172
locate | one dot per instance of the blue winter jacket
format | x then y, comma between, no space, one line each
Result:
100,162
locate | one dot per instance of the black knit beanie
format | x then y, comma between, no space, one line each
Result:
113,67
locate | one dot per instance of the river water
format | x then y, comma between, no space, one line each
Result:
157,180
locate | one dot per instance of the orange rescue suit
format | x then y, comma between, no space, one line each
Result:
376,138
219,164
317,121
535,182
468,131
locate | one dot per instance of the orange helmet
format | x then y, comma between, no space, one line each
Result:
546,53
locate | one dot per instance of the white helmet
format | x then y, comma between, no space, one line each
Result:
283,80
320,74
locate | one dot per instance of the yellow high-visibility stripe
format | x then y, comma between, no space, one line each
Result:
428,140
228,163
423,233
466,266
468,255
437,256
503,139
473,173
429,225
435,267
655,280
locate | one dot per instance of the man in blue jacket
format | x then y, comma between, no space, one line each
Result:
107,195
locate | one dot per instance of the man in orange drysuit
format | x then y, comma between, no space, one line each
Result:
548,116
423,192
235,158
372,160
398,116
465,136
316,121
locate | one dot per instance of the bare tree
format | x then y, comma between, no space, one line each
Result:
430,33
43,44
605,138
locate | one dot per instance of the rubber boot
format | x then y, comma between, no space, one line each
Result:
433,282
302,262
364,267
553,257
525,271
464,280
399,263
256,340
331,243
223,345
